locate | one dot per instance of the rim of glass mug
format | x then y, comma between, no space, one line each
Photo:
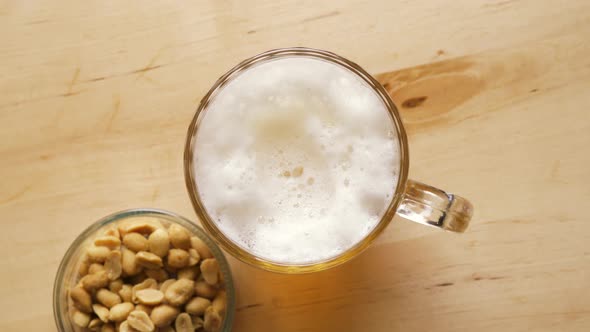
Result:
241,253
70,262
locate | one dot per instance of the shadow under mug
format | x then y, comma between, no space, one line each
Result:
412,200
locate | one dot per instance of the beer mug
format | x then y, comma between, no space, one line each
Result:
297,88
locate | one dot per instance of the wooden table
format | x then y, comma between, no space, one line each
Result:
96,97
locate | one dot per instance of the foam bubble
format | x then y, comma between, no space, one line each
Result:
296,159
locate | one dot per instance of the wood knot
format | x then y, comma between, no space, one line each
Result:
414,102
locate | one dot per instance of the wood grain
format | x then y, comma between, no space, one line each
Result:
96,97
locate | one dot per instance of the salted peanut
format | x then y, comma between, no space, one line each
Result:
115,285
210,270
220,302
190,273
126,293
135,242
159,242
95,267
149,260
101,312
95,324
80,319
129,263
108,241
197,306
112,231
143,225
83,268
164,286
180,292
163,315
146,284
193,257
81,299
197,322
178,258
179,237
212,320
159,275
203,289
107,328
144,308
149,296
119,312
126,327
97,254
140,321
184,323
201,247
107,298
113,265
93,282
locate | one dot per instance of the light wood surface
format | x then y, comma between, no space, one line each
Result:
96,97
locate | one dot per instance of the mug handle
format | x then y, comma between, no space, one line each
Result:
430,206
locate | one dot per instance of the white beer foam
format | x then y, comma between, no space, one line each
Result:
286,114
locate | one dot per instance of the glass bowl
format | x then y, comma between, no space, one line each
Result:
66,273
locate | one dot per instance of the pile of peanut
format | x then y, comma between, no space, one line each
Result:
147,275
